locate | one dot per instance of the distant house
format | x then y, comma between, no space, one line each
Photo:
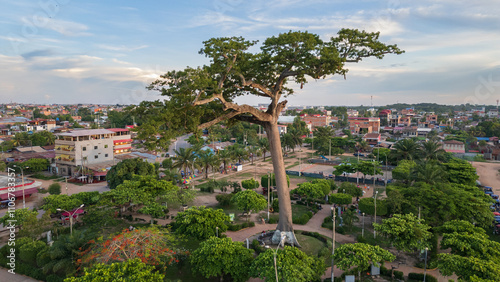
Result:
372,138
453,146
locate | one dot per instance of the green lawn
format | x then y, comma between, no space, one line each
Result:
309,245
298,210
292,165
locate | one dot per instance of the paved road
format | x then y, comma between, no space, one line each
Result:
6,276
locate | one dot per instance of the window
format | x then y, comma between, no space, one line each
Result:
106,155
105,146
84,148
95,147
96,156
84,158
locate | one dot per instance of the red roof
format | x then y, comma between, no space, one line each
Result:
130,147
100,173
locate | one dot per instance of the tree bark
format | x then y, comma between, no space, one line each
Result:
285,206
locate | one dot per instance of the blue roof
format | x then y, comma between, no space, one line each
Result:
483,138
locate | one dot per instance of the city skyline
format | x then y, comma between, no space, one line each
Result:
68,52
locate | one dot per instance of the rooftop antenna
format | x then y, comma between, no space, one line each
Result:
371,97
497,104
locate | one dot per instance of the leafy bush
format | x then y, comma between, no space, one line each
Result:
303,219
324,252
399,275
250,183
367,205
340,199
273,219
236,227
208,189
276,205
55,189
351,189
257,247
224,199
340,230
420,277
29,251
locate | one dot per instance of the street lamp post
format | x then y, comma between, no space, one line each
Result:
282,243
375,221
71,218
22,183
217,231
363,229
425,267
333,240
268,193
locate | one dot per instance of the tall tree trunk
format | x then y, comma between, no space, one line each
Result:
285,205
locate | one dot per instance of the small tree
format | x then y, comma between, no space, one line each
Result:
293,265
351,189
129,270
467,267
341,199
220,257
55,189
311,191
250,183
265,179
201,222
249,200
367,205
360,255
406,232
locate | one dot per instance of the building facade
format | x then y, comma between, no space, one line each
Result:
79,148
359,125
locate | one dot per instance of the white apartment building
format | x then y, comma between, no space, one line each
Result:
89,147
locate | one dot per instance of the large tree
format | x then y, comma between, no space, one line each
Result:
205,96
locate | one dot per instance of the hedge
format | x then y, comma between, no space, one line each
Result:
367,205
236,226
412,276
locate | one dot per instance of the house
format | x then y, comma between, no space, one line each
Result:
372,138
282,129
317,120
454,146
359,125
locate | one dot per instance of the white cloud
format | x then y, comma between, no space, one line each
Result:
121,48
67,28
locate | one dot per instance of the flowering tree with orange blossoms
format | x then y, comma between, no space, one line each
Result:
150,245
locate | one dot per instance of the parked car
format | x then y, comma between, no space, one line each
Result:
360,154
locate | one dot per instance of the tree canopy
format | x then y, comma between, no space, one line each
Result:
406,232
201,222
360,255
125,169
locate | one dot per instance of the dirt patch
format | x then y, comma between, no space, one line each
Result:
488,174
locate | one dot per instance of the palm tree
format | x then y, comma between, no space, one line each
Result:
432,150
296,138
253,151
429,172
406,149
432,135
238,152
205,160
264,146
225,156
184,159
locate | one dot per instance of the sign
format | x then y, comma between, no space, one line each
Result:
231,217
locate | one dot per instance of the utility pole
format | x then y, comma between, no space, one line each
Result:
268,189
333,241
330,148
375,221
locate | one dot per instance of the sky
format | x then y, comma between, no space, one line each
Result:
107,52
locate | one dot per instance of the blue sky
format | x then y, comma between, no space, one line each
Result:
67,51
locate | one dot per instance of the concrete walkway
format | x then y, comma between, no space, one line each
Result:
6,276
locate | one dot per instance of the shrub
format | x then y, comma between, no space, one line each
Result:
257,247
340,230
54,278
276,205
208,189
224,199
399,275
367,206
324,252
273,219
55,189
29,251
420,277
340,199
303,219
250,183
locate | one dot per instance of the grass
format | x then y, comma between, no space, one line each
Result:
302,177
310,245
292,165
298,210
44,177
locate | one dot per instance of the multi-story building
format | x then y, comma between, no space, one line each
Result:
432,119
79,148
352,113
317,120
364,124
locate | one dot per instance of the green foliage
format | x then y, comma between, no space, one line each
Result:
360,255
250,183
344,168
292,263
403,170
467,267
406,232
312,191
29,251
351,189
367,205
224,199
460,226
87,198
472,245
420,277
18,217
249,200
340,199
36,164
444,202
54,189
218,257
201,222
264,180
461,172
125,170
53,202
129,270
